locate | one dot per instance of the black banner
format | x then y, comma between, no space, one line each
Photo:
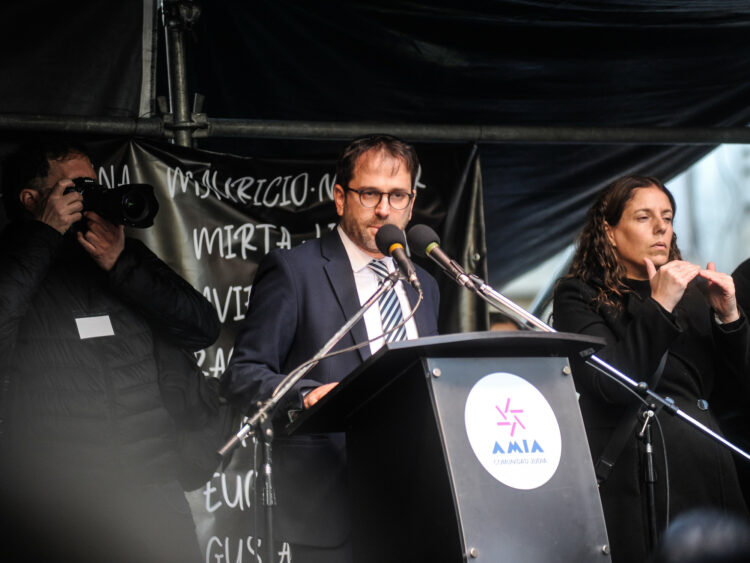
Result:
219,214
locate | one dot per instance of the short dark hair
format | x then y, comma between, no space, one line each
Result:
392,146
28,165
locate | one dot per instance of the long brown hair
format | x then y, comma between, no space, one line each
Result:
595,261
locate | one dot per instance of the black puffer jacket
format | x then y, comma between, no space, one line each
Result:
92,405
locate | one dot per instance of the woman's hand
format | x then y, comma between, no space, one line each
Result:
668,283
720,293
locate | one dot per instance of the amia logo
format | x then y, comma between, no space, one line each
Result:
513,431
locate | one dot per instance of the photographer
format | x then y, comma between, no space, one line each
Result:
88,448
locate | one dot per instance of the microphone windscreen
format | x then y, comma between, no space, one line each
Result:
420,237
387,236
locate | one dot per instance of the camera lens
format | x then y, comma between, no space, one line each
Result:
134,206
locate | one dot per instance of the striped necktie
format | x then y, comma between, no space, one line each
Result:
390,307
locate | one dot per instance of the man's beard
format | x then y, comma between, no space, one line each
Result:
360,235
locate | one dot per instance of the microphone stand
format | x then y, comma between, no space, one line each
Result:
654,405
649,475
261,421
505,305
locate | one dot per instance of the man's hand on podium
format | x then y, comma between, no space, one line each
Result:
317,394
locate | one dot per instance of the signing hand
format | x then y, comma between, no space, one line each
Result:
59,210
669,282
720,293
104,241
317,394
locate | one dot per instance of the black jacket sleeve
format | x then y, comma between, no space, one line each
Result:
265,339
634,345
169,302
27,250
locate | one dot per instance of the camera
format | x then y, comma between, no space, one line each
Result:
133,205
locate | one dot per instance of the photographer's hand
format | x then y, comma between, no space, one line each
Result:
57,209
103,240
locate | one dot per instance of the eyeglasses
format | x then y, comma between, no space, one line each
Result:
398,200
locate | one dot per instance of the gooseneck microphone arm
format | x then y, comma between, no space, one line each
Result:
450,266
422,237
503,304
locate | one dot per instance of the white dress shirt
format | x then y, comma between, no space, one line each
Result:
367,283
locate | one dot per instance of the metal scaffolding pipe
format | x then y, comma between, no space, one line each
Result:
488,134
177,17
162,127
128,126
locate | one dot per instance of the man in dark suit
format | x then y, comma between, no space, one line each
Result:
300,299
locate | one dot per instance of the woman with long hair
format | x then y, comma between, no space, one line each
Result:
671,324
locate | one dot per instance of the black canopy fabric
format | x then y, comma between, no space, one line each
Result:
582,63
81,58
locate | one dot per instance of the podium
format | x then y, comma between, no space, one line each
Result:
467,447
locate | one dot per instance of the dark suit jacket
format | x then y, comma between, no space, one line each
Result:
702,356
300,298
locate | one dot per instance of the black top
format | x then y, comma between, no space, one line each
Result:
703,358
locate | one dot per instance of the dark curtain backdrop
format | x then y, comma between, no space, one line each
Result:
505,62
80,58
585,63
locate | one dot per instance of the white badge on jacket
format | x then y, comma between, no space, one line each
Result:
93,327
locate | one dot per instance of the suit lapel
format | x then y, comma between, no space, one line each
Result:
339,272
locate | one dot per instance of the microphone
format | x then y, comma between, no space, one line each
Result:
426,242
390,241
